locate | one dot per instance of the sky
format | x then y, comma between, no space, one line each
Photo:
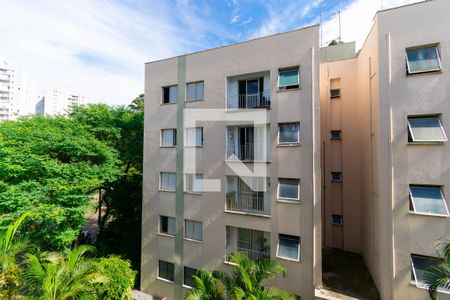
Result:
99,47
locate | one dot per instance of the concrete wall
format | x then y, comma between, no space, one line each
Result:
302,161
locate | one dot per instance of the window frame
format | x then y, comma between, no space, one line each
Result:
337,180
160,225
288,87
299,246
288,143
336,138
441,126
412,204
436,48
186,183
195,135
174,139
195,82
167,264
184,277
334,96
160,182
162,96
414,273
294,200
193,238
337,223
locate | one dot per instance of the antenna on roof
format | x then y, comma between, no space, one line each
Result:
320,3
340,33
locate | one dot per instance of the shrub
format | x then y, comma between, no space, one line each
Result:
121,278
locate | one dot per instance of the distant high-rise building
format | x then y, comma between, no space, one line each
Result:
17,96
58,101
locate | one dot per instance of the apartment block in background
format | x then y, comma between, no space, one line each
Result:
385,118
17,96
201,199
58,101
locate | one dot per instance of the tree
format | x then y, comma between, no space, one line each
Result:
245,282
12,250
60,276
439,276
138,103
49,166
120,278
207,287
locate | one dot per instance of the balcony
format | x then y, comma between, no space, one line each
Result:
248,143
249,91
248,195
249,101
253,243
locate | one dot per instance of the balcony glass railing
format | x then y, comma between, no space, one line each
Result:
248,152
249,101
252,254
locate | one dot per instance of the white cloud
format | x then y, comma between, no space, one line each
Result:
247,21
356,20
309,7
234,19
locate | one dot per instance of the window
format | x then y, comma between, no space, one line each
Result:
288,79
336,134
288,247
419,265
289,189
335,93
427,200
194,136
425,129
168,181
167,225
423,59
170,94
336,176
188,280
336,219
166,270
194,91
194,183
193,230
168,137
289,133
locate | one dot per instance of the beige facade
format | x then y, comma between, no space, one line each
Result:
382,167
227,207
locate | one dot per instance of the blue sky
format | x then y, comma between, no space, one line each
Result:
99,47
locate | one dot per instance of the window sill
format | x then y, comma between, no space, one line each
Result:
288,201
248,214
441,291
423,73
428,214
234,110
190,101
336,224
169,147
165,280
166,234
246,161
189,146
230,263
288,90
289,259
194,193
428,143
187,287
336,181
166,191
192,240
289,145
336,139
170,103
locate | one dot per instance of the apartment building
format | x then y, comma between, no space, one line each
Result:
232,162
58,101
385,117
17,96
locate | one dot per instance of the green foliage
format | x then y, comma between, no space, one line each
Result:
439,276
66,275
121,278
245,282
49,166
12,250
138,103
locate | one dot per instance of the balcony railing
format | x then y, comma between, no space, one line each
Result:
252,254
247,202
247,152
249,101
